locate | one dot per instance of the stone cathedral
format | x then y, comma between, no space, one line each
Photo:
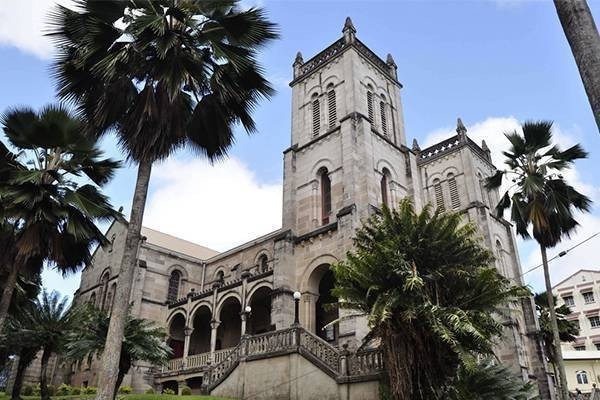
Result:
230,316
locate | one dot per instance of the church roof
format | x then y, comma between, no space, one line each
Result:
176,244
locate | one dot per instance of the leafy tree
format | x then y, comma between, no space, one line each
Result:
567,330
541,200
142,342
582,34
487,380
170,74
47,211
432,299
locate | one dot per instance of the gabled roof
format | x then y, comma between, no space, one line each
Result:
574,274
176,244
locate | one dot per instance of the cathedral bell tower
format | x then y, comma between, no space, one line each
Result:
348,147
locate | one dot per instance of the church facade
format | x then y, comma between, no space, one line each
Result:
230,316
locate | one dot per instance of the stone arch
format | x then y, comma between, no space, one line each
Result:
257,286
200,320
220,301
105,271
381,164
229,331
259,299
435,177
179,310
314,92
312,266
332,79
450,170
200,304
176,338
322,163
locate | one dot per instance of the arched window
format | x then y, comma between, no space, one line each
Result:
382,108
263,263
110,299
385,187
439,195
112,242
454,197
500,258
220,276
103,289
316,116
370,103
331,104
325,195
582,377
93,299
174,282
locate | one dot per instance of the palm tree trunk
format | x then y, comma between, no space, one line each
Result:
114,338
43,374
24,360
7,293
564,392
581,32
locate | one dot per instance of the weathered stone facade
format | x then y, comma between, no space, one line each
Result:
348,155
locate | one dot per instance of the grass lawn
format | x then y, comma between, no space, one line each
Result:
125,397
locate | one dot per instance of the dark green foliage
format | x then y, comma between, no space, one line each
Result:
567,330
431,297
186,391
27,390
168,391
125,390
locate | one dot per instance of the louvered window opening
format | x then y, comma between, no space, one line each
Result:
370,106
332,108
383,118
439,197
316,117
454,197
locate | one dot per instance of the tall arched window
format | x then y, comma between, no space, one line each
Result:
454,197
332,106
316,116
439,195
384,127
385,187
370,104
110,299
582,377
325,195
500,258
174,282
220,276
103,289
263,263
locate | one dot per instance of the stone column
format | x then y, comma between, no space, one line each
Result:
187,331
214,325
244,317
308,311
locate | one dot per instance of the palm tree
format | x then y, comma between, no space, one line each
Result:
46,210
142,342
45,325
581,32
487,380
541,199
567,330
429,291
169,74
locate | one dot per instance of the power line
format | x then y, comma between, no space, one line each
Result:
562,253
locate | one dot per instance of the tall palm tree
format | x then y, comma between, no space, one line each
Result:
46,324
162,75
567,330
142,342
541,200
430,293
47,209
580,29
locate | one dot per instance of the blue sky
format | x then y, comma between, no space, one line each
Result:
493,63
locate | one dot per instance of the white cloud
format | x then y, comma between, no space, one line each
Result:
586,256
218,206
24,23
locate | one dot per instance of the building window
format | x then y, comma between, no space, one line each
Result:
316,114
331,104
597,346
263,263
385,187
588,297
595,322
103,290
569,301
582,377
220,276
383,118
174,281
500,257
111,297
439,195
579,348
325,195
454,197
370,104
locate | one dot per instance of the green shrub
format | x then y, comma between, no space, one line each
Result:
37,390
186,391
125,390
63,390
75,391
51,390
27,390
89,390
168,391
150,391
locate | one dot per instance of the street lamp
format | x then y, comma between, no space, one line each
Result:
248,309
297,296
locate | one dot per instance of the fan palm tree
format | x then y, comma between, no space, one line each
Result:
430,293
567,330
541,200
46,324
142,342
580,29
162,75
48,212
